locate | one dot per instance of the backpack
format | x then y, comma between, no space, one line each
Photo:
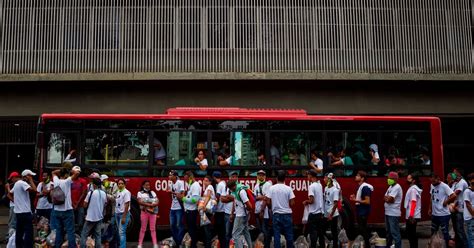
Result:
57,196
250,195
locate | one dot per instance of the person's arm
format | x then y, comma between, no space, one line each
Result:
469,207
142,203
429,208
7,189
86,202
450,199
32,184
334,207
207,197
56,173
292,199
125,212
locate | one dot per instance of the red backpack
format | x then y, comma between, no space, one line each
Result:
251,197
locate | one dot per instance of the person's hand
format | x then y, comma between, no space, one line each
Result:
72,152
429,212
232,217
122,221
305,202
330,217
196,160
445,203
352,197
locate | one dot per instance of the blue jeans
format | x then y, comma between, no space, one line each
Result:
228,230
122,228
283,224
86,230
241,228
443,222
64,220
458,226
265,228
393,231
177,227
24,226
470,233
191,221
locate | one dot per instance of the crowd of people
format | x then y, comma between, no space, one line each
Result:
221,206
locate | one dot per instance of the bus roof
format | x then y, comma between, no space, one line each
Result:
230,113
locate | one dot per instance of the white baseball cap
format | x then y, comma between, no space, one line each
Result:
27,173
103,177
76,168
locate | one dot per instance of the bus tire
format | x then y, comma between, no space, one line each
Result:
347,219
133,228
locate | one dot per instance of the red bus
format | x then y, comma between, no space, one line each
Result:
148,146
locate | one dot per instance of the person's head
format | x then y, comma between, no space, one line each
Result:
435,180
425,154
207,181
458,173
121,183
450,178
261,176
146,185
190,176
232,185
314,155
470,179
329,179
312,175
413,179
392,178
361,176
261,156
201,155
234,176
96,182
173,176
14,176
64,173
216,176
281,176
45,177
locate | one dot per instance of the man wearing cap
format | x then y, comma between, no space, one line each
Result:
12,179
24,217
261,210
63,215
176,212
79,189
393,200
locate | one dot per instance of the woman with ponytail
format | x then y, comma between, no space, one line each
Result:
149,209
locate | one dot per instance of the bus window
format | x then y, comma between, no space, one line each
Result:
289,149
123,148
246,149
183,147
62,147
160,142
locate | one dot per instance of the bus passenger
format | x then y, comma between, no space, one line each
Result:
469,211
122,211
201,161
160,153
316,163
413,208
331,202
281,198
393,199
177,211
362,201
374,154
441,196
71,157
190,204
315,203
149,209
261,210
459,186
261,160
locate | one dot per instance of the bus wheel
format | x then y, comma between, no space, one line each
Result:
133,228
347,219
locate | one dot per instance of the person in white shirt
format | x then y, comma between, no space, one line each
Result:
190,206
219,215
228,200
281,198
208,197
62,217
441,196
176,212
44,206
469,211
149,209
316,163
261,210
393,199
201,162
71,157
315,205
331,214
94,202
362,200
122,211
240,214
12,179
459,186
24,217
412,206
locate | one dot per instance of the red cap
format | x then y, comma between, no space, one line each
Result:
14,174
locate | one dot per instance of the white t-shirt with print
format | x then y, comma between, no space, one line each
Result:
330,195
43,202
462,186
97,201
316,191
393,209
240,210
145,196
204,163
221,191
65,185
281,194
21,197
194,191
177,187
210,190
413,194
122,198
259,192
468,196
439,194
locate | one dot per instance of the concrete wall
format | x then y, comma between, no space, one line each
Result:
323,97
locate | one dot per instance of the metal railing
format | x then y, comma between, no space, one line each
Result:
241,36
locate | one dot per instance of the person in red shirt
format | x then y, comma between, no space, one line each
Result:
79,188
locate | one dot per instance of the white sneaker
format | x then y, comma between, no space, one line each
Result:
139,246
155,246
